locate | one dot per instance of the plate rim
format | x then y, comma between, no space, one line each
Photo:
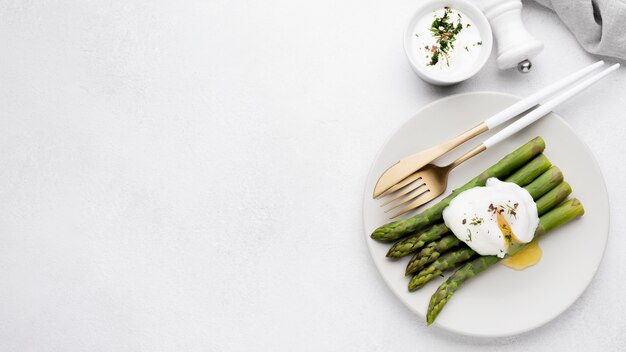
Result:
386,279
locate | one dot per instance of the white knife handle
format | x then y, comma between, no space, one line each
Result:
538,96
544,109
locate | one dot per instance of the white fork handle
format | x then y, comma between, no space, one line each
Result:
544,109
537,97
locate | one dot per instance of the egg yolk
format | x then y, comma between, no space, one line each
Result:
529,256
507,232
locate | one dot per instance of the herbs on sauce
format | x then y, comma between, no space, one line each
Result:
447,40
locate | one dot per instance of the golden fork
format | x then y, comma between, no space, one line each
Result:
429,182
432,180
394,175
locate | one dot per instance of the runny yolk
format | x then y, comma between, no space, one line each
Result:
507,232
528,256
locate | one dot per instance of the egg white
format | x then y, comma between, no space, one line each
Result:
472,216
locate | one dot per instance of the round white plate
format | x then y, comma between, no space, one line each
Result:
500,301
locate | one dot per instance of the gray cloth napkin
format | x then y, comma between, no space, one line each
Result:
598,25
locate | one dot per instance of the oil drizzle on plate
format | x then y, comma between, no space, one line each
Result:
525,258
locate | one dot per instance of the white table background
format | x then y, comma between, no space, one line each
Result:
188,176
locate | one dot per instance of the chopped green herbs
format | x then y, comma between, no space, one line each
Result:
445,30
477,221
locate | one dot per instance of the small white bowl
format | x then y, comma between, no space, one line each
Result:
481,23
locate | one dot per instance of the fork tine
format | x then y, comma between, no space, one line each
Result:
415,204
409,179
418,192
408,189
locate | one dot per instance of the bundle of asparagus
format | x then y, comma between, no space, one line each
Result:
439,250
548,180
503,168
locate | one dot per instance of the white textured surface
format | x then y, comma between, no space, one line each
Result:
189,176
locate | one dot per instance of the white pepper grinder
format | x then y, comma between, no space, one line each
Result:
515,45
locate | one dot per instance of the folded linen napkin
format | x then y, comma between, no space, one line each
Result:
598,25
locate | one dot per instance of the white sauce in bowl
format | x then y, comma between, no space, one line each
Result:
447,42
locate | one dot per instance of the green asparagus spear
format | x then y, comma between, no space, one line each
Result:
530,171
445,262
425,252
558,216
415,242
544,204
430,253
439,299
401,228
544,183
553,198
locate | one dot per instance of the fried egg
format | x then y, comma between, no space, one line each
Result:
490,219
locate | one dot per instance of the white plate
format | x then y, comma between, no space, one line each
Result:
500,301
